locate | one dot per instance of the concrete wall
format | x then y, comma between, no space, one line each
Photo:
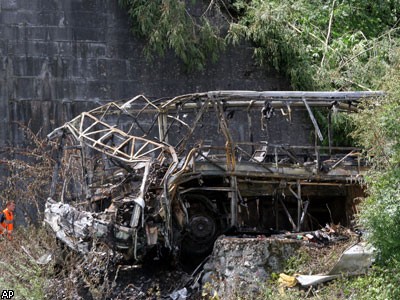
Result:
61,57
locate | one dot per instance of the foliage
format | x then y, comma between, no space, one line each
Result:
167,24
381,284
332,45
336,44
378,132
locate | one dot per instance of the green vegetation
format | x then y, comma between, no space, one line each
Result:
337,44
378,131
167,24
328,45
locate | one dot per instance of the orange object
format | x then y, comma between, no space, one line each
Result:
8,223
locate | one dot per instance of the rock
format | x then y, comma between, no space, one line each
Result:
241,264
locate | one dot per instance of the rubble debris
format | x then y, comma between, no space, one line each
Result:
245,263
324,236
175,174
355,260
44,259
179,295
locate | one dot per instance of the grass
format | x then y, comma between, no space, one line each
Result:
20,270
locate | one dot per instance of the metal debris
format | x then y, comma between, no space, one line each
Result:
356,260
176,173
44,259
179,295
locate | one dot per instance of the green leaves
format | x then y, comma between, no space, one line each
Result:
335,44
377,131
167,24
338,45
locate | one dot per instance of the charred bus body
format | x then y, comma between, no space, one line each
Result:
177,173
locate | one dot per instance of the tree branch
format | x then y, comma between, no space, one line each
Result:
328,35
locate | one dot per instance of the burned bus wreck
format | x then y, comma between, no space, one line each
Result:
177,173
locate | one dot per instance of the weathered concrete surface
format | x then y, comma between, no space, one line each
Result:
242,264
61,57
